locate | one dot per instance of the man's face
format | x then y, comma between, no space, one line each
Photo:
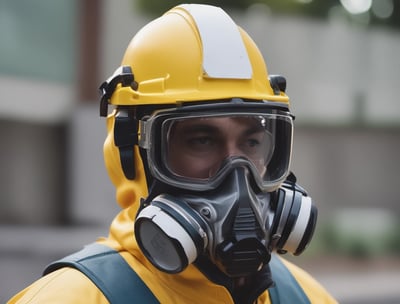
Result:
198,146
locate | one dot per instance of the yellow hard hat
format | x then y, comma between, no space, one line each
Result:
191,53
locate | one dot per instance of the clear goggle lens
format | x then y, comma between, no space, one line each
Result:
196,151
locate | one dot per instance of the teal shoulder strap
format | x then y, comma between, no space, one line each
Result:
106,268
286,289
120,284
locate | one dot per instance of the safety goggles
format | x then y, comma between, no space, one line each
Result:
196,148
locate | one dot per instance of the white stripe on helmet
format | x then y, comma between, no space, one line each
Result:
224,53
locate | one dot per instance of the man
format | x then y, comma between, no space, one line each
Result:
198,147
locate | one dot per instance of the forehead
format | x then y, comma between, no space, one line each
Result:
220,122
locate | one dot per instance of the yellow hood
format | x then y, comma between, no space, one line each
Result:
128,192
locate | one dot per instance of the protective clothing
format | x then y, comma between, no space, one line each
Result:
193,56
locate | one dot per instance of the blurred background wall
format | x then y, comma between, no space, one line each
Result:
342,67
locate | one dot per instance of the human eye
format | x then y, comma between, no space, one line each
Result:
251,144
200,142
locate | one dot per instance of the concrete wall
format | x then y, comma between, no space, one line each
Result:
349,167
32,176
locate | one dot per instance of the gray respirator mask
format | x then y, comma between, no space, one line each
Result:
235,225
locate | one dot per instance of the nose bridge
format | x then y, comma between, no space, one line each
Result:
229,149
232,147
229,145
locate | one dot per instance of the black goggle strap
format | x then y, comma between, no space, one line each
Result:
125,138
124,76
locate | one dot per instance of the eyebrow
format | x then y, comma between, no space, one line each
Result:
254,130
206,128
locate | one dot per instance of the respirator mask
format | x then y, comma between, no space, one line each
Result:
230,198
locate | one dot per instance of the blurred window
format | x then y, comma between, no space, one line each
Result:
38,38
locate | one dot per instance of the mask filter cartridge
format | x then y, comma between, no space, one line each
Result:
170,233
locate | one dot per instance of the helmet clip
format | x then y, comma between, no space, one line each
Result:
278,83
124,76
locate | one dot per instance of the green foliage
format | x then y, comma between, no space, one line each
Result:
394,240
333,240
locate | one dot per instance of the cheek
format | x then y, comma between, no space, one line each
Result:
188,166
260,165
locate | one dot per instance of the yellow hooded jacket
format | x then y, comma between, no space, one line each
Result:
68,285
